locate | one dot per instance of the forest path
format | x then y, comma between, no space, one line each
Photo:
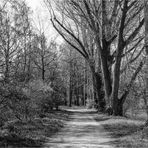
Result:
81,131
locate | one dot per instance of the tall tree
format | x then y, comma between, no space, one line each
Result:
14,19
81,38
44,55
23,28
116,29
146,50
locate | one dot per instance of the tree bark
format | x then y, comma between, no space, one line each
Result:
146,49
7,69
106,76
98,89
100,92
70,93
70,80
43,68
116,104
104,53
116,80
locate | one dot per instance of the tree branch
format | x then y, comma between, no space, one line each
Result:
134,33
72,35
83,54
127,91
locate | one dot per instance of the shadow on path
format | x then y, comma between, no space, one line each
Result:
81,131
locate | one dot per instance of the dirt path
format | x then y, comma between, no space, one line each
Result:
82,131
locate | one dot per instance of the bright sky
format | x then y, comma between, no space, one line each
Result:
34,3
42,19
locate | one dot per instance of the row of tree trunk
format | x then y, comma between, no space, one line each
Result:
99,33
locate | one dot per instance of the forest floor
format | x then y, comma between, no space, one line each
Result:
75,128
81,131
32,133
89,129
128,132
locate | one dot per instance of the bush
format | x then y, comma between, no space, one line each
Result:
40,93
26,102
44,97
109,110
90,103
57,99
15,102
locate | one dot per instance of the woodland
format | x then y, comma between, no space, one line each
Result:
102,63
110,36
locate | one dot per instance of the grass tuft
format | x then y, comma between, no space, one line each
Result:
31,133
127,132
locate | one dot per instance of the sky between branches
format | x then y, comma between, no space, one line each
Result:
41,20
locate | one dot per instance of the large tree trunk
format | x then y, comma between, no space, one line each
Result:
106,76
118,107
116,104
85,84
146,49
104,53
98,90
70,94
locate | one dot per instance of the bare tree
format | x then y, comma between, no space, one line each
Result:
116,27
43,55
146,50
77,33
11,33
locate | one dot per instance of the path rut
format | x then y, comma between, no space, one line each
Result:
82,131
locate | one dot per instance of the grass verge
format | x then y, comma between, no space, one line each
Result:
32,133
127,132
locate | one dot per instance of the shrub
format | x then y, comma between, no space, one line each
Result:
109,110
90,103
40,93
57,99
45,97
15,103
